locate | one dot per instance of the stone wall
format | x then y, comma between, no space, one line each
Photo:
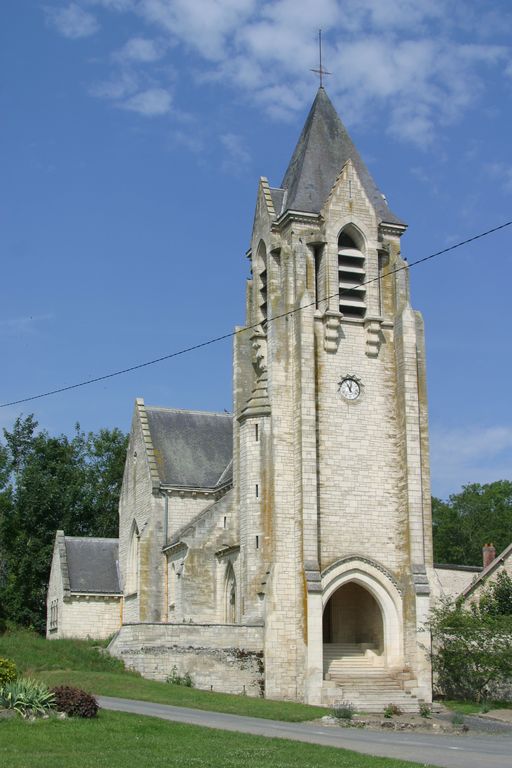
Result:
89,616
139,506
450,581
220,657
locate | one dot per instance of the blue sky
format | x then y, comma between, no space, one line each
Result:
133,134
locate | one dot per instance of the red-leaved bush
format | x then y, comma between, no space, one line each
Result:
74,702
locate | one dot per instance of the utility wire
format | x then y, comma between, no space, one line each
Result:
231,334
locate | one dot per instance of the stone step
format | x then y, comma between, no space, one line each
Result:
368,689
346,648
371,702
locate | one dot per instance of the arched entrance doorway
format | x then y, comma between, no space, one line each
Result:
352,616
353,629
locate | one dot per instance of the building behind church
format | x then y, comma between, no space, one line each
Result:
286,548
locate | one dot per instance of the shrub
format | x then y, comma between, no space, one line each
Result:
392,709
343,710
8,671
26,696
75,702
472,650
425,710
458,719
176,679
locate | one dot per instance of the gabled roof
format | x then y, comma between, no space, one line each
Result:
486,572
192,449
89,565
323,149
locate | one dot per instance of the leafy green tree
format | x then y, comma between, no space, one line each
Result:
469,519
497,600
51,483
472,644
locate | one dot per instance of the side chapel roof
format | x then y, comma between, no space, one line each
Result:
323,149
192,449
89,565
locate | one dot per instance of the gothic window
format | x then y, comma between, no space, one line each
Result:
351,273
230,595
54,615
132,565
172,588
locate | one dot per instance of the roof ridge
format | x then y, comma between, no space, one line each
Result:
186,410
91,538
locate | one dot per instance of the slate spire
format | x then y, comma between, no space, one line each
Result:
323,149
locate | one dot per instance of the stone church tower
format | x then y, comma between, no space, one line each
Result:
331,469
287,549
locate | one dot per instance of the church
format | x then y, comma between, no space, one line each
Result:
285,550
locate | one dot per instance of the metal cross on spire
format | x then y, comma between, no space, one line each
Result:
320,71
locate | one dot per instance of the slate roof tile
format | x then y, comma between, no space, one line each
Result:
323,149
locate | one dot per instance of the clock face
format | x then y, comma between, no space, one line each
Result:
350,389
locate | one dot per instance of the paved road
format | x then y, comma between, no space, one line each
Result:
466,751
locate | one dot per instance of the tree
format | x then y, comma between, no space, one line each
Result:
469,519
497,600
472,645
51,483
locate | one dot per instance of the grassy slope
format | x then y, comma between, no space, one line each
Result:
472,708
77,662
117,740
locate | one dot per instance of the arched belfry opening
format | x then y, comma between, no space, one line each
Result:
353,626
352,273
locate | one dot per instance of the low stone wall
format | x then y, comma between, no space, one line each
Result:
221,657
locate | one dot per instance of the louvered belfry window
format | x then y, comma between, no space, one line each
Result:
263,294
351,273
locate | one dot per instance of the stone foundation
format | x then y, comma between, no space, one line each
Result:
219,657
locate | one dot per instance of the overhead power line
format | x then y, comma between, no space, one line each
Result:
231,334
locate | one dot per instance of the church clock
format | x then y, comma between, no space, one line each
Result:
350,388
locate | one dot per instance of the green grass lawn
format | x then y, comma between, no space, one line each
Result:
472,708
81,663
118,740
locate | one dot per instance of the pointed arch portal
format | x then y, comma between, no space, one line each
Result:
362,610
353,618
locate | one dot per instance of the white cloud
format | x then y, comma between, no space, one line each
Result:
73,21
205,25
418,63
152,102
140,49
469,455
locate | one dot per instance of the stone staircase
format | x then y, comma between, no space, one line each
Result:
354,673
